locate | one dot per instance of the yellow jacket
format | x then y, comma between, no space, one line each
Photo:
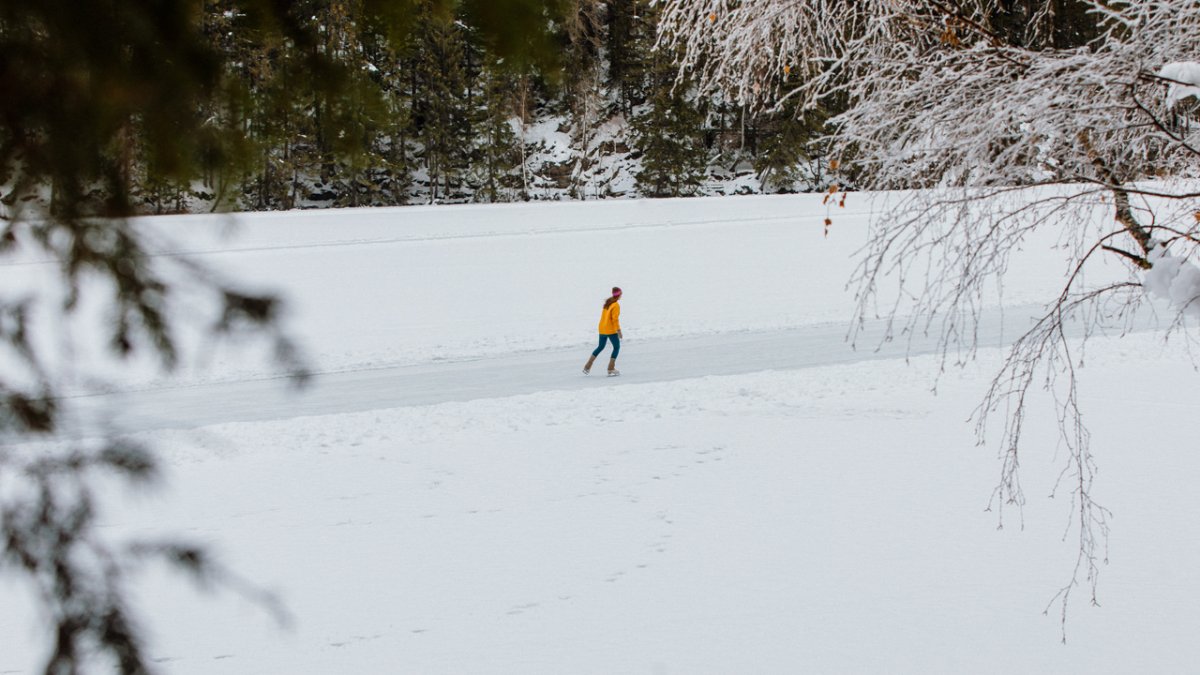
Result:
610,319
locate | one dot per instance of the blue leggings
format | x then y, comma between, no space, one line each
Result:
604,340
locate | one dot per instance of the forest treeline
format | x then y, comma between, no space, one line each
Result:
370,103
439,115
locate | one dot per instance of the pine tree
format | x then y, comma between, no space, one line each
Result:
271,100
628,38
390,70
670,136
496,155
440,110
669,131
583,38
784,142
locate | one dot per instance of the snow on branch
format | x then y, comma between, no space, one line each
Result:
934,93
994,130
1174,279
1185,80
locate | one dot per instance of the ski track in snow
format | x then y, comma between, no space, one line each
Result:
552,370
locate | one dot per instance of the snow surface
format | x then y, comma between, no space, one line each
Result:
788,516
1187,75
375,288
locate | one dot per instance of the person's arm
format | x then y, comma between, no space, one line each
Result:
617,321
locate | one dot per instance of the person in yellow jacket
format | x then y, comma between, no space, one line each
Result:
610,329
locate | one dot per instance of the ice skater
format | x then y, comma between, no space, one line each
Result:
610,329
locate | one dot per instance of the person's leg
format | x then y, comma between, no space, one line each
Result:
616,340
587,367
603,342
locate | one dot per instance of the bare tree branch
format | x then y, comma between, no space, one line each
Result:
982,128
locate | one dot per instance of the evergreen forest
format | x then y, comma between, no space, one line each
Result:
343,109
344,103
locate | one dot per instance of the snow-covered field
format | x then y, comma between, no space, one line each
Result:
783,516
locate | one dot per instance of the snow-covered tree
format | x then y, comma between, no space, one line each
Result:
985,105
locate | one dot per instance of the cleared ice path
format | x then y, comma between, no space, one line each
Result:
424,384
